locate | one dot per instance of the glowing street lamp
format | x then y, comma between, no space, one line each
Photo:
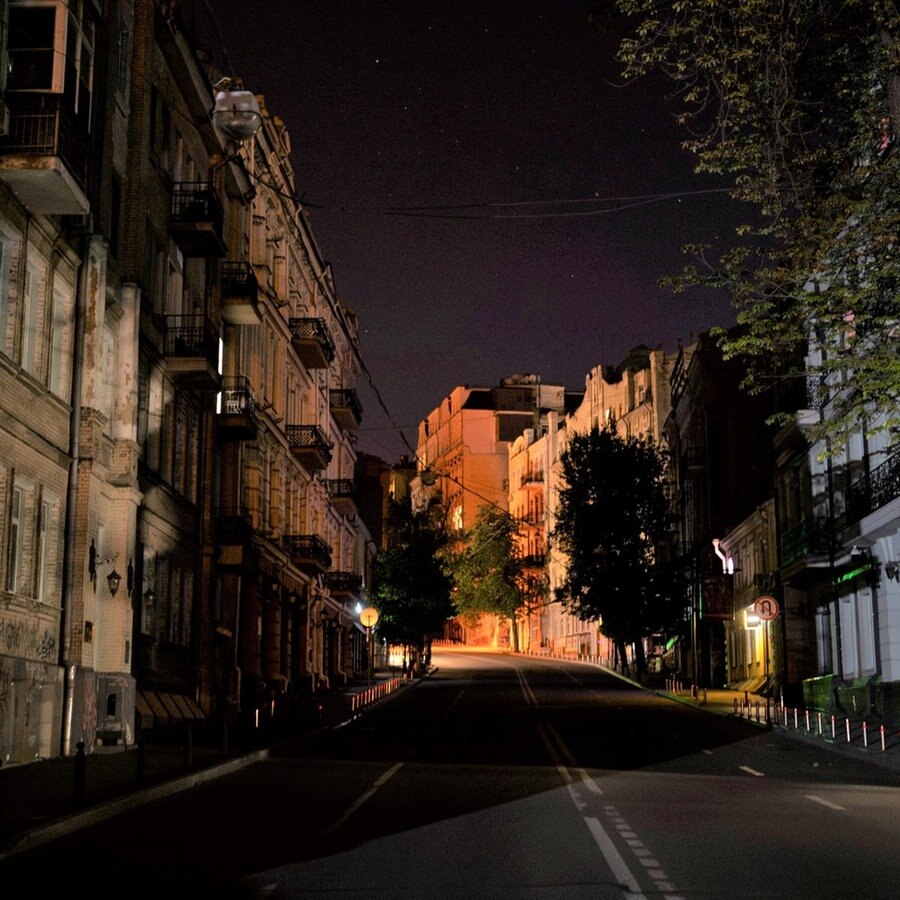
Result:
368,616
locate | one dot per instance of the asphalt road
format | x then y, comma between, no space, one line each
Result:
505,777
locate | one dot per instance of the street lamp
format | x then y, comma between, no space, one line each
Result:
368,617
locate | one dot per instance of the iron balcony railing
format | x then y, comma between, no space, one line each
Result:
307,547
313,330
192,336
309,437
340,487
345,398
343,582
535,476
237,396
874,490
534,560
809,537
238,279
196,201
44,125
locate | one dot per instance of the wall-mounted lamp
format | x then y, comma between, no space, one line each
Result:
114,579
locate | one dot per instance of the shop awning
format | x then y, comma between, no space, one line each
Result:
163,708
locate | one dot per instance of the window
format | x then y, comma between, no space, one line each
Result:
42,552
35,35
60,330
79,58
16,538
30,327
108,364
7,280
122,60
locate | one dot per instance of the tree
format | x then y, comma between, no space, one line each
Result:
410,588
488,574
795,104
611,516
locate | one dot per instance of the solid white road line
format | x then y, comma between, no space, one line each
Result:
750,771
364,797
825,802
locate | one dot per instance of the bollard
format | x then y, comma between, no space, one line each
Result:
795,717
865,726
847,728
833,735
820,730
806,713
757,710
881,729
80,774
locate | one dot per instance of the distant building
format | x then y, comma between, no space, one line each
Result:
633,397
462,451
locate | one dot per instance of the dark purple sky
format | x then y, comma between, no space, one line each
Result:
514,113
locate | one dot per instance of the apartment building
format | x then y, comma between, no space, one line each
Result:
180,543
633,396
462,452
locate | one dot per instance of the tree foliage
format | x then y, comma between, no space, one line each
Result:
410,588
795,104
488,574
611,516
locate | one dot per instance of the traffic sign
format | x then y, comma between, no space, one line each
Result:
766,608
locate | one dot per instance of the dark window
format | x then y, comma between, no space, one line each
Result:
31,46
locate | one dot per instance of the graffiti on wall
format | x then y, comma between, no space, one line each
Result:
26,638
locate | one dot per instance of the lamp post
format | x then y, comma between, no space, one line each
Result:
368,617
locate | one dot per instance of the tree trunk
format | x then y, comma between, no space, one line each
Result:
513,633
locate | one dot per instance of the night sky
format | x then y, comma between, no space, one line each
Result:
485,186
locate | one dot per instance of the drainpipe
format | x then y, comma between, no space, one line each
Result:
69,563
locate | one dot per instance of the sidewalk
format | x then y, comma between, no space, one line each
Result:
857,737
38,800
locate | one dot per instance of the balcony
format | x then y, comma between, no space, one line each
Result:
311,340
342,492
236,419
239,293
233,529
533,479
806,538
309,446
345,408
195,220
346,585
872,491
308,552
44,156
192,352
534,561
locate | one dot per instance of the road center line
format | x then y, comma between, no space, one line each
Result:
825,802
530,697
750,771
363,798
614,860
